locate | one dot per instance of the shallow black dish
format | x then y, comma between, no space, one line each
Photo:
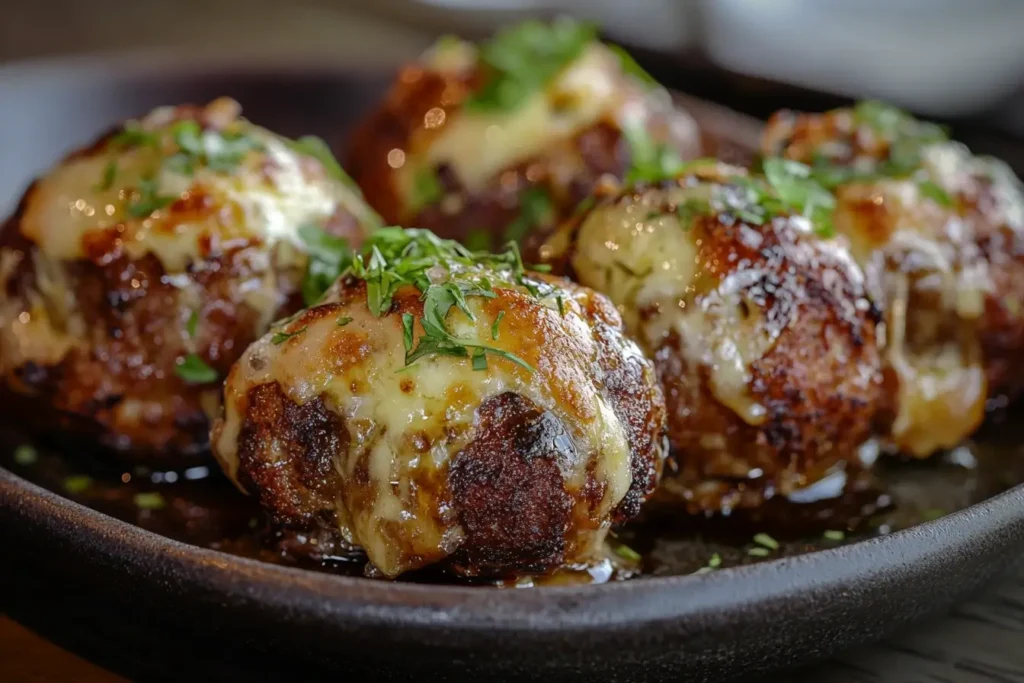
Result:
155,608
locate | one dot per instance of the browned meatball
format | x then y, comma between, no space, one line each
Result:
137,271
761,333
939,234
469,414
467,145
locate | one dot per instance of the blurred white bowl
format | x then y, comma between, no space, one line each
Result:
938,57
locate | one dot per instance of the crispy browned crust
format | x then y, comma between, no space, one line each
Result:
133,338
505,488
982,238
819,409
398,123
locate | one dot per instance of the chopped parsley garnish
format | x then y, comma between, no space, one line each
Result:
522,59
447,274
192,324
535,209
149,501
147,199
217,150
766,541
834,535
134,136
650,161
77,483
408,322
625,552
934,192
329,256
715,561
25,455
561,305
426,189
479,360
109,176
495,324
794,185
478,240
344,320
629,66
195,370
315,147
759,552
905,136
282,337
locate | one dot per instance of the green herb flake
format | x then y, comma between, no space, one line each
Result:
478,240
316,147
329,256
407,330
495,324
626,553
134,136
77,483
149,501
767,541
934,191
561,305
188,135
793,183
630,67
109,176
427,189
195,370
650,161
932,514
344,320
535,209
759,552
281,337
147,199
834,535
25,455
479,360
522,59
192,325
715,561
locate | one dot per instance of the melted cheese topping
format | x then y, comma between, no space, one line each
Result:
402,440
267,198
478,145
920,253
650,264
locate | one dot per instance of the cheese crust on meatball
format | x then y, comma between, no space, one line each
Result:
938,232
513,134
440,406
761,333
136,272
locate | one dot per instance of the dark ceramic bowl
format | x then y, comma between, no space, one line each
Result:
158,609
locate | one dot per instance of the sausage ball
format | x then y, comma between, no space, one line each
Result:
761,333
499,142
938,232
441,407
136,272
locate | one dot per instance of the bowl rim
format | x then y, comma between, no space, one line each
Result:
709,598
545,609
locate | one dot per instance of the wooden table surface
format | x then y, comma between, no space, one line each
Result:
981,641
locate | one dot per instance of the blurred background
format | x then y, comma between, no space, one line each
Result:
954,60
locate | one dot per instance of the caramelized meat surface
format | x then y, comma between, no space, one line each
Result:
763,337
439,409
137,271
938,232
465,148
